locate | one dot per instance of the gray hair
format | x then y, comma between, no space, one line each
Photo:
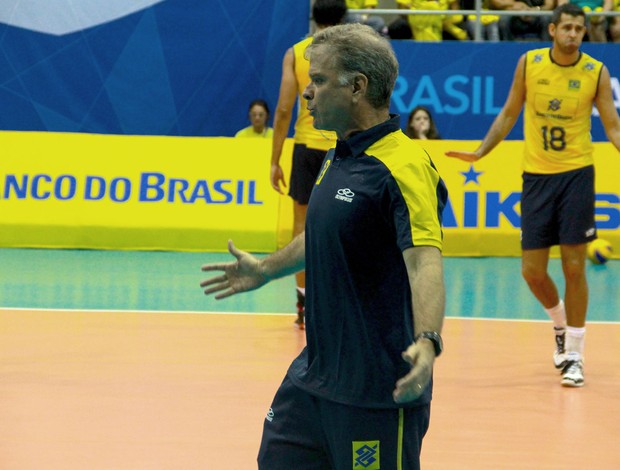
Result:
360,49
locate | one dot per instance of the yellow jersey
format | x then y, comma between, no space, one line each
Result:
249,132
361,4
305,133
426,27
558,109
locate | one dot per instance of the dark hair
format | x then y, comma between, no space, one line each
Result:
328,12
260,102
433,133
566,9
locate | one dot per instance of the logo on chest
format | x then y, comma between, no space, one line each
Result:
345,194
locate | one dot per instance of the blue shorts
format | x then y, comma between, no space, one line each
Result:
557,209
307,164
304,432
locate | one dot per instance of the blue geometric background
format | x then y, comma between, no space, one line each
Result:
191,67
180,67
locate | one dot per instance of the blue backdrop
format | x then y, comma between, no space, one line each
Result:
190,67
179,67
465,85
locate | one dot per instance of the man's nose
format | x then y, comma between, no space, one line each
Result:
307,93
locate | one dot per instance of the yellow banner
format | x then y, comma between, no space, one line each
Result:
179,193
136,192
484,216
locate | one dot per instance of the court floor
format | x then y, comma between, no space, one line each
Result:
115,360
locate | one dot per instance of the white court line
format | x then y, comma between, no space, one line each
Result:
197,312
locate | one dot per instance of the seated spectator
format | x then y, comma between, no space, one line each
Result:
375,22
431,27
259,117
524,28
420,125
597,25
489,24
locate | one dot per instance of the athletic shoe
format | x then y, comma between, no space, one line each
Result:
301,311
559,355
572,374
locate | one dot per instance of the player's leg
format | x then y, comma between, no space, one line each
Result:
577,228
534,270
573,266
299,192
374,438
292,437
539,231
299,224
306,166
576,295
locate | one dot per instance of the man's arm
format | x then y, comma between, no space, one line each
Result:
605,104
504,121
249,272
282,117
425,269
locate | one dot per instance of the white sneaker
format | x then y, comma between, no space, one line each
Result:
572,373
559,355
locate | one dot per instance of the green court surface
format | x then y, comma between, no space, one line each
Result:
169,282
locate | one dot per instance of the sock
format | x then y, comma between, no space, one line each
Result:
575,340
301,297
558,315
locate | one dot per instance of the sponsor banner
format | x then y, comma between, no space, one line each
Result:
174,193
135,192
483,217
465,84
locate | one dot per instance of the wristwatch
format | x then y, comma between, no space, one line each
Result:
435,339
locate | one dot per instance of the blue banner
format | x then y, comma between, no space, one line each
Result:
147,67
465,85
190,68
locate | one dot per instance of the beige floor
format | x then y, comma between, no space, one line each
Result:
146,391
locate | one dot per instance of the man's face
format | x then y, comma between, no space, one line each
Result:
329,102
568,33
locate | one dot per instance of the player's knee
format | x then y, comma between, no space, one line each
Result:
533,276
574,270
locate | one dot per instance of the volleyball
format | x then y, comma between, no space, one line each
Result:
599,251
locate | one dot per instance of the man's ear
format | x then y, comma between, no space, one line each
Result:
360,86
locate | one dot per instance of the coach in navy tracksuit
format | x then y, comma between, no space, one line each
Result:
358,396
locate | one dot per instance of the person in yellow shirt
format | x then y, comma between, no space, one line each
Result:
311,145
259,117
431,27
558,87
